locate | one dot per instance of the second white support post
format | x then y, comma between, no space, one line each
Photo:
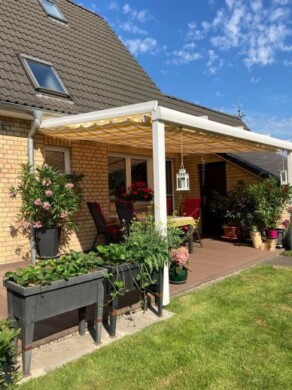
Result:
289,166
160,213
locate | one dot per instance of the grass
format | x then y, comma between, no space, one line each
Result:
235,334
287,253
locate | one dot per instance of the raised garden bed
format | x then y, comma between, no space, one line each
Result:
128,274
30,304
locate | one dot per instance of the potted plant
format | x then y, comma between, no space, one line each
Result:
178,271
138,191
53,287
236,211
256,237
49,203
270,200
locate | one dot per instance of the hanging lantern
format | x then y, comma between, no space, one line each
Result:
283,173
284,177
182,177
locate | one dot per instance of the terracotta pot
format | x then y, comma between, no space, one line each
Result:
230,232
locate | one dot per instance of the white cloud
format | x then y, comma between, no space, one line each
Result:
255,80
140,16
142,46
287,63
113,6
132,28
258,30
267,124
185,55
219,94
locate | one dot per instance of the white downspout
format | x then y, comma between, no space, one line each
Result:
36,123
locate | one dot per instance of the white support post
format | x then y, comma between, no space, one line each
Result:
158,143
289,165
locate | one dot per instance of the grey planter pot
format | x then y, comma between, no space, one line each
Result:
28,305
281,234
127,273
47,242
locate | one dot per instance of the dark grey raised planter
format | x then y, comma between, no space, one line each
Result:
127,273
28,305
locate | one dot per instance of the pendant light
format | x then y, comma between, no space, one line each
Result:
182,177
283,173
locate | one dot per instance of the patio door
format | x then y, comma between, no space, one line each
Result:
212,180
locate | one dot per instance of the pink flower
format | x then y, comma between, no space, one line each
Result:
37,225
69,186
64,214
38,202
49,192
180,256
46,206
46,182
25,224
286,223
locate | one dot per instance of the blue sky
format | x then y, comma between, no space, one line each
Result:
217,53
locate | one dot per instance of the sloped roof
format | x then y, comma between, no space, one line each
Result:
261,163
95,66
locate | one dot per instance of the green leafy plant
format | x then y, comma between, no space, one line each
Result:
114,254
270,200
49,199
48,271
237,208
9,371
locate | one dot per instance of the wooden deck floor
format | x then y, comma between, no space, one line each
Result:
216,259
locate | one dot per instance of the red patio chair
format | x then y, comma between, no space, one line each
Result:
192,208
109,231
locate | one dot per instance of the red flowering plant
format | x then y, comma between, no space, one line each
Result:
138,191
49,198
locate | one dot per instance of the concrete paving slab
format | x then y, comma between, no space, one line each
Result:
53,355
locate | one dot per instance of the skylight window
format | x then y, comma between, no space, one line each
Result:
52,9
44,77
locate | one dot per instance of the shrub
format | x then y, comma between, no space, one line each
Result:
9,374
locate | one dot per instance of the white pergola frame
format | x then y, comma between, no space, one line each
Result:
162,117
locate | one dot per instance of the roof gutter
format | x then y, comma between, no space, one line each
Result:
36,124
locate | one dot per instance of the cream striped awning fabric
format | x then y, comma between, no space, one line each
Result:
136,131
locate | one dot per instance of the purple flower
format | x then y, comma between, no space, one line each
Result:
38,202
46,182
69,186
46,206
37,225
49,192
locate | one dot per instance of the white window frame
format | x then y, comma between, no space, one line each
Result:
34,81
61,19
66,152
128,158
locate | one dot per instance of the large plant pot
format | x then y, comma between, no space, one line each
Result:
256,239
230,232
273,234
48,242
127,273
178,277
281,234
269,245
28,305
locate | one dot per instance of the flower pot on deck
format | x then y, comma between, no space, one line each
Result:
281,234
178,275
256,239
47,242
230,232
28,305
273,234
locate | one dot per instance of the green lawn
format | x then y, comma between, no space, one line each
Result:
236,334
